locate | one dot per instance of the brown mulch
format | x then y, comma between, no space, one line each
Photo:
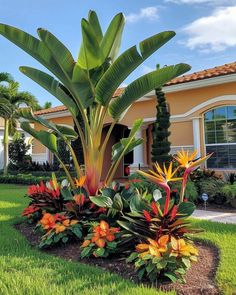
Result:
200,279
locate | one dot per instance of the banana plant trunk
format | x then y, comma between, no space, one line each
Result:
6,146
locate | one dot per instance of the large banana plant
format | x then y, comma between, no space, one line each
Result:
86,87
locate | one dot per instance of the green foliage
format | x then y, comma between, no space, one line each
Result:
161,145
191,192
164,258
229,191
211,186
26,179
18,151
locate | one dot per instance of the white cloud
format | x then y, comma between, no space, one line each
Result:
149,13
211,2
213,33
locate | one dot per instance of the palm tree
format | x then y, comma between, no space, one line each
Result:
10,100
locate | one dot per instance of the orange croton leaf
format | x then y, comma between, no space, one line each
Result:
73,221
66,222
59,228
181,248
85,243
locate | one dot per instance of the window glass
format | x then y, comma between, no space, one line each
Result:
231,112
220,113
220,137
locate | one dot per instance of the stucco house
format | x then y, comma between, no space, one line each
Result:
203,117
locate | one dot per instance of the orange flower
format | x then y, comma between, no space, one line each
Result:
103,233
48,221
181,248
154,248
80,182
66,222
79,199
59,228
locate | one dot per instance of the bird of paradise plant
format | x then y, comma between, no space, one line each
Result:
189,162
86,87
162,177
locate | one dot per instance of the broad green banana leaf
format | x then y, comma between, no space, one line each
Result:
59,51
61,131
90,55
111,41
142,86
126,63
95,24
33,47
52,86
46,138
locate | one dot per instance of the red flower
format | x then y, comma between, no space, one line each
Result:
154,208
147,216
173,212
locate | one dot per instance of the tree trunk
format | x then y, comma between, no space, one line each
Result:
5,146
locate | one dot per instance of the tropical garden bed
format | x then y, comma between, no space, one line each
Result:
203,271
87,214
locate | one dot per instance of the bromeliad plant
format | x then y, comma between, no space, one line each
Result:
86,86
101,241
58,228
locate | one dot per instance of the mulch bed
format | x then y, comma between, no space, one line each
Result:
200,279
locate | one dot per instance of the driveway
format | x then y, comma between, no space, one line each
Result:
215,216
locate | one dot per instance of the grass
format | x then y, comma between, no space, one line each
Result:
24,270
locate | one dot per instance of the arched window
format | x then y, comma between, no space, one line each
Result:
220,137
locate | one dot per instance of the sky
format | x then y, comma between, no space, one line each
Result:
206,31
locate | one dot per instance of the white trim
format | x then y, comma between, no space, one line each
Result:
181,146
200,83
40,157
196,136
182,117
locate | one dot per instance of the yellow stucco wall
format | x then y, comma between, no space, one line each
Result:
180,103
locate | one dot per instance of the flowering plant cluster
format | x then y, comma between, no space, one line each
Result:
58,228
165,257
152,230
101,241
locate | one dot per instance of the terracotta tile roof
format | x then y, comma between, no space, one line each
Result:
223,70
226,69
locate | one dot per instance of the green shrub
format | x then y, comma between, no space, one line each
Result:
212,187
191,192
229,191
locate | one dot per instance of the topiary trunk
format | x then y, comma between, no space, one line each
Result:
161,145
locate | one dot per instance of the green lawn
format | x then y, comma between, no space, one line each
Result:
24,270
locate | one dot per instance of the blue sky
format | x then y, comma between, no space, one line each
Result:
206,31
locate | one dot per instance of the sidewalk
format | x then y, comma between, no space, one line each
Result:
215,216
